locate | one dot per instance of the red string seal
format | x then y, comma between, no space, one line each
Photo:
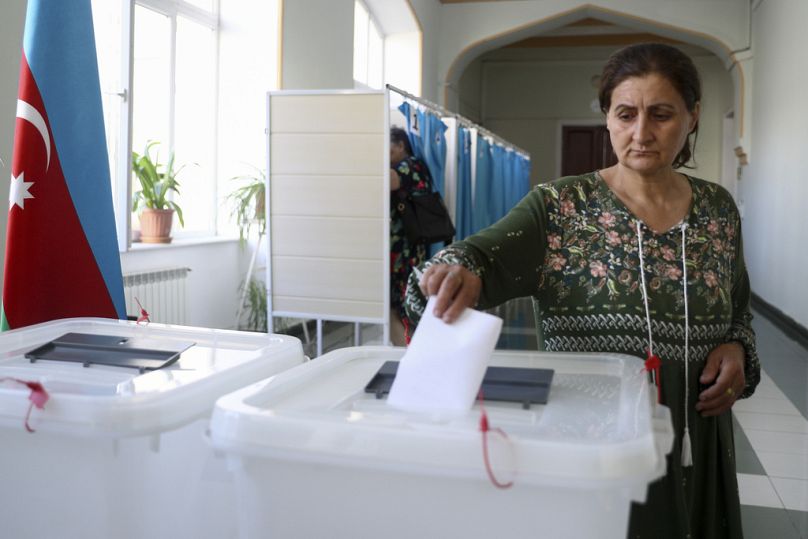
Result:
144,316
485,428
38,397
654,364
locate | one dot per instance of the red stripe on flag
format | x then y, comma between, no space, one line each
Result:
50,270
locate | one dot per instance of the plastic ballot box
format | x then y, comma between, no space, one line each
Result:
315,454
119,448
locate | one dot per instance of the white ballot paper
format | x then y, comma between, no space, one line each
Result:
445,363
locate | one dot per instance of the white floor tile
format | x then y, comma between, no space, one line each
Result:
772,422
765,391
788,465
757,490
761,405
793,492
782,442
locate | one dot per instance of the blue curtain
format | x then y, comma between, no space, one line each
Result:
522,179
428,141
481,213
463,211
434,141
499,184
427,134
413,131
517,182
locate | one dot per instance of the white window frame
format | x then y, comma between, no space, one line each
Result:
123,174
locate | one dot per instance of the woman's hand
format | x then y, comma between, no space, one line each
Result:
395,180
455,287
725,367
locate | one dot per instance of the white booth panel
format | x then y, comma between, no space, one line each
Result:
327,237
327,154
336,113
328,278
327,196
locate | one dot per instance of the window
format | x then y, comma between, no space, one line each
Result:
368,49
174,98
193,75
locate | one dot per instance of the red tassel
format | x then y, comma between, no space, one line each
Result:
144,316
38,397
654,364
407,336
485,428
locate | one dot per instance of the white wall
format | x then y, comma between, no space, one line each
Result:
318,44
402,68
469,29
248,59
212,287
774,187
428,13
12,20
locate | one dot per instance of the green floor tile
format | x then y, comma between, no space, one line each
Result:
767,523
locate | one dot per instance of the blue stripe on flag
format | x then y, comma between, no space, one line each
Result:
60,47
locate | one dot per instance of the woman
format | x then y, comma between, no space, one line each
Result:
411,176
602,254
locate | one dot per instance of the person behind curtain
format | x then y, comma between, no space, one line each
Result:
640,259
411,175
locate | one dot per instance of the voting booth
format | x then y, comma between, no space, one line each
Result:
315,454
119,449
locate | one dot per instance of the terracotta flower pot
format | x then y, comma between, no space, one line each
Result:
155,225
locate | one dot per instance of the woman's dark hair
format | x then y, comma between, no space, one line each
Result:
399,135
647,58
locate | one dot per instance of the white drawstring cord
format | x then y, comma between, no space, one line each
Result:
687,452
645,295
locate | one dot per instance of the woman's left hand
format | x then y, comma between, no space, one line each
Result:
724,373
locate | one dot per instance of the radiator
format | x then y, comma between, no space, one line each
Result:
161,292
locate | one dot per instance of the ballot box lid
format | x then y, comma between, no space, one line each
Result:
118,378
599,426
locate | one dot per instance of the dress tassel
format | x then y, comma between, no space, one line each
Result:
687,452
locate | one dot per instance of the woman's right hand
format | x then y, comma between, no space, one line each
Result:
455,288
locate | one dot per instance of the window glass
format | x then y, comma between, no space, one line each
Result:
151,87
195,106
108,27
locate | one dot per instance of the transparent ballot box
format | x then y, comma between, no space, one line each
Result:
315,454
119,448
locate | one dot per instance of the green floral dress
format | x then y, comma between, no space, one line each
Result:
574,247
404,255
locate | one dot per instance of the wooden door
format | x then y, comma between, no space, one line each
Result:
585,148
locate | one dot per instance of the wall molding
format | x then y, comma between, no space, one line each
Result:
785,323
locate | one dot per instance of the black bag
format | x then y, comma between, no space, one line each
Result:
425,217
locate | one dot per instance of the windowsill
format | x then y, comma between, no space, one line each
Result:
182,242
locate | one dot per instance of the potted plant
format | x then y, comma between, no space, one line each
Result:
156,182
249,201
249,209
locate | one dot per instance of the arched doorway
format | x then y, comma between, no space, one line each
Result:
530,88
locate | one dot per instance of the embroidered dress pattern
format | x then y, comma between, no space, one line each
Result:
573,246
404,255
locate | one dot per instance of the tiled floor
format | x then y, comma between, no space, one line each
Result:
771,439
771,428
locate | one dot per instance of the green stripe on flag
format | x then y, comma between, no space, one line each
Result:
3,321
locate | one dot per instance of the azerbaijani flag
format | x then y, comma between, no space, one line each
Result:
61,250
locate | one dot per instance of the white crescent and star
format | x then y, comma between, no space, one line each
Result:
20,189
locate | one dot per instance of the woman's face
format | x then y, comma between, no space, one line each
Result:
397,153
648,123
